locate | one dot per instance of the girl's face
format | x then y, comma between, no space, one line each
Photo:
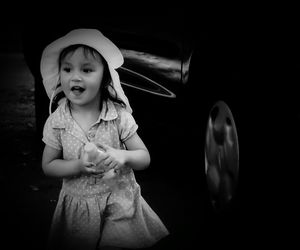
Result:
81,76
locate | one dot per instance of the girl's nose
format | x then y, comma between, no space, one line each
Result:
76,77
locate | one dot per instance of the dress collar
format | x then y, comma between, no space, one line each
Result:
108,113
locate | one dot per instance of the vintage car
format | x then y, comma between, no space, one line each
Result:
166,75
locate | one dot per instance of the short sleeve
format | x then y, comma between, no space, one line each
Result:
127,125
51,134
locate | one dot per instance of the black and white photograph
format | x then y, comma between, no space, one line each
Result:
149,128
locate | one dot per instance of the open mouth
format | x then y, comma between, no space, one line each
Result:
77,90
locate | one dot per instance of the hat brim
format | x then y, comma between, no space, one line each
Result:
90,37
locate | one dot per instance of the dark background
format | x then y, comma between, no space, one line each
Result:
248,58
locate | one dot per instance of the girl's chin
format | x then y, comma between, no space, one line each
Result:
76,98
81,102
78,102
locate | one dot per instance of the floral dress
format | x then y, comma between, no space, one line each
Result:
92,212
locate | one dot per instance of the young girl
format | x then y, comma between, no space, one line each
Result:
93,212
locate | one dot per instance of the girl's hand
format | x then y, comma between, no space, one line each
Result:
115,158
54,166
85,167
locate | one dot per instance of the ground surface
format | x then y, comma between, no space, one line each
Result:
29,197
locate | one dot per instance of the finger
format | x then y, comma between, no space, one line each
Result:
117,167
90,170
98,174
103,146
90,164
108,161
104,156
100,171
112,165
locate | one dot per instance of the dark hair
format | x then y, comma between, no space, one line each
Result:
106,80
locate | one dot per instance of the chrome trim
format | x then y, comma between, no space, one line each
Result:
169,94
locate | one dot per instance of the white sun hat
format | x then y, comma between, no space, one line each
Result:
92,38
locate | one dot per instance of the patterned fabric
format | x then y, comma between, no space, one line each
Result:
93,212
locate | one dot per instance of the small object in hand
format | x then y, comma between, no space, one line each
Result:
93,154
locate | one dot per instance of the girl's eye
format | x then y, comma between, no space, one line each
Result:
66,69
87,70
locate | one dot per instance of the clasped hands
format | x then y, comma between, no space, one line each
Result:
110,159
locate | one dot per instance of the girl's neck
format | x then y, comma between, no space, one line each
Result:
85,110
85,116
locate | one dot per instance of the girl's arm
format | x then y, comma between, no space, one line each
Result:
136,156
54,166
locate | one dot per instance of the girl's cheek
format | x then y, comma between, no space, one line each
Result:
64,84
64,79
